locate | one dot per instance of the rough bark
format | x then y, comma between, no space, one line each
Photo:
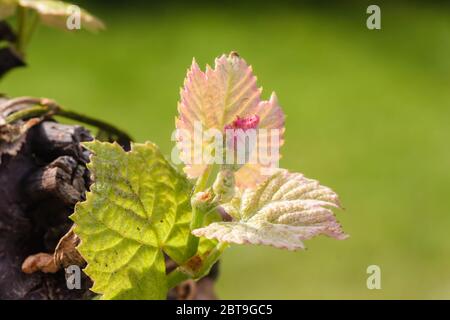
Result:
38,188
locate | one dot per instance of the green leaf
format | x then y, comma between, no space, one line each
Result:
138,208
284,210
55,13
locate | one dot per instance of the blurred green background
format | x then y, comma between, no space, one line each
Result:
368,114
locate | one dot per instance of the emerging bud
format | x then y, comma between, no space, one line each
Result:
240,141
224,185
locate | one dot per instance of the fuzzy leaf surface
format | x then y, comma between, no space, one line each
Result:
282,212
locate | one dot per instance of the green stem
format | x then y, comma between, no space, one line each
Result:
33,22
176,277
193,241
94,122
210,260
203,180
29,107
197,215
181,274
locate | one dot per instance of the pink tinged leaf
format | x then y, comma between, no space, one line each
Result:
55,13
226,97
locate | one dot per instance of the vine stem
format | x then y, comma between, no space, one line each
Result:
29,107
176,277
197,214
182,273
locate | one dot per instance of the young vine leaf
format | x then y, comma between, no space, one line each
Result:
137,210
220,98
282,212
53,13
